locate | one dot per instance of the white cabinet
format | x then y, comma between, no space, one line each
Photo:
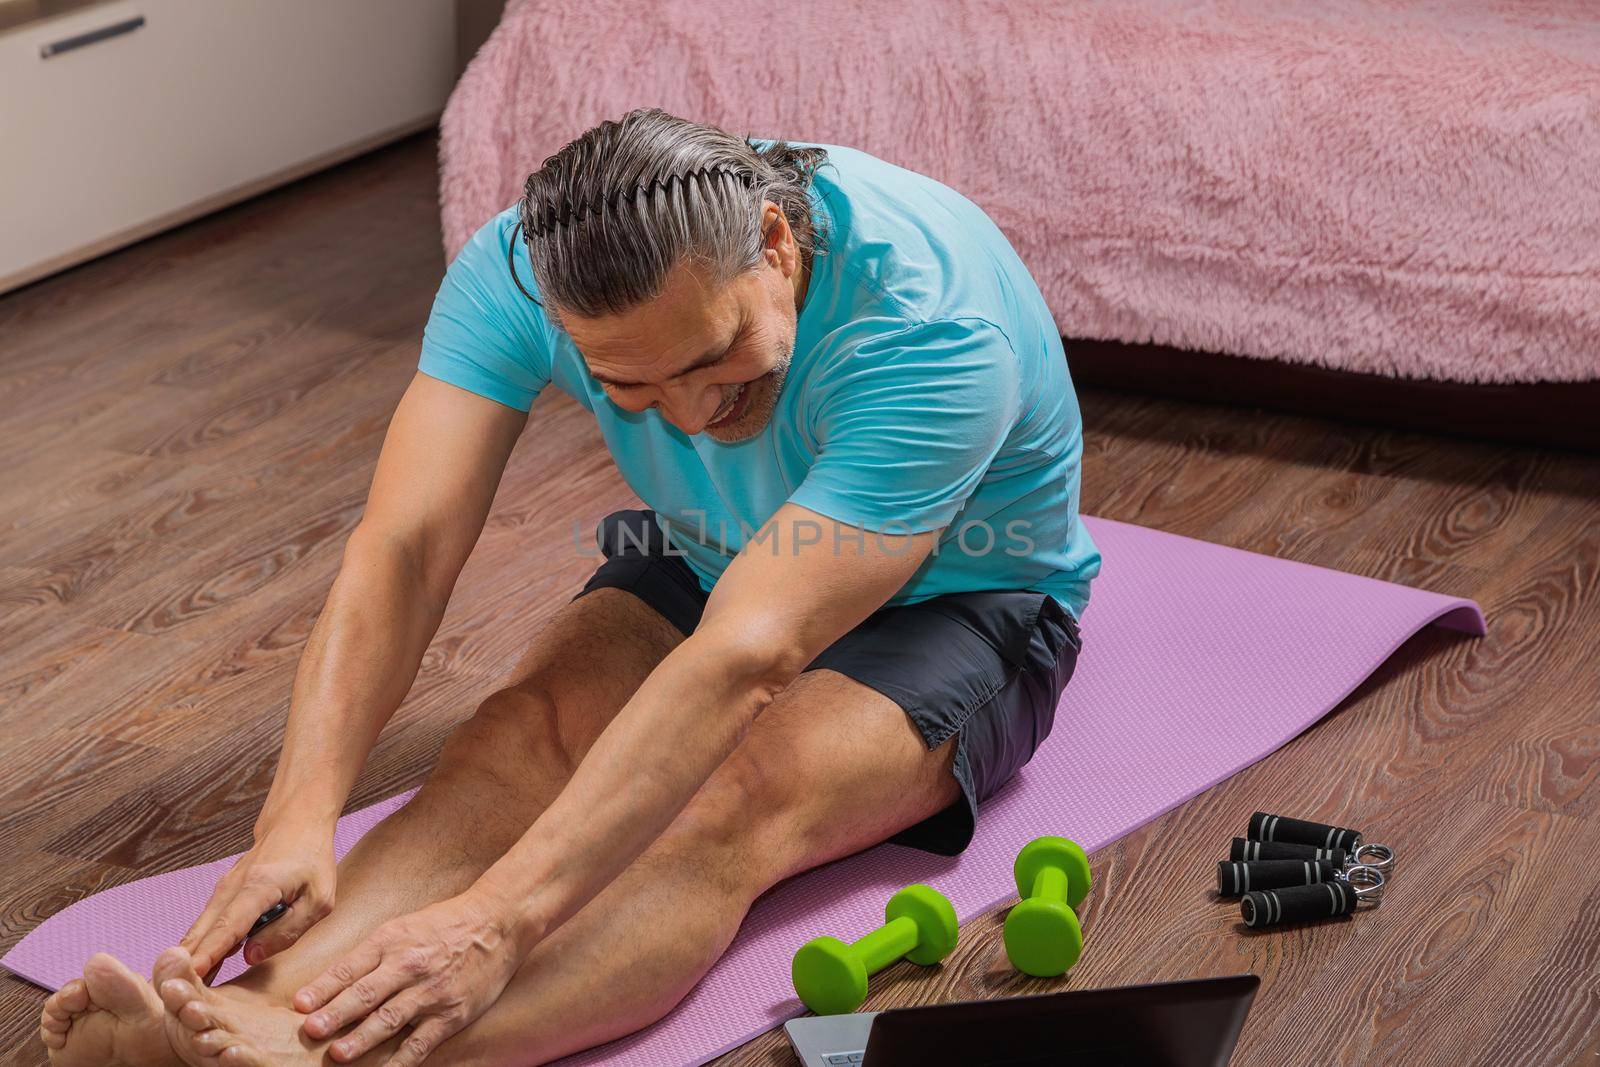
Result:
197,104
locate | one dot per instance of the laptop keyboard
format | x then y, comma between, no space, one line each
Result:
843,1059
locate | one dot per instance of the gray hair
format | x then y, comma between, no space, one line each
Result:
608,216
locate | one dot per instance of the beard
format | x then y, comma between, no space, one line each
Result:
763,401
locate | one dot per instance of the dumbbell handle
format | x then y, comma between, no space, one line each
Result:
1265,827
1246,851
1301,903
887,943
1049,884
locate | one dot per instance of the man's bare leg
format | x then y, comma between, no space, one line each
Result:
495,774
830,768
498,770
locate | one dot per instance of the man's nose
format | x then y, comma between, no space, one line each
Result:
690,407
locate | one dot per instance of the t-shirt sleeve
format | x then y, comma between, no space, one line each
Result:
483,334
907,423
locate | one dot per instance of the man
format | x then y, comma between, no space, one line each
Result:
846,615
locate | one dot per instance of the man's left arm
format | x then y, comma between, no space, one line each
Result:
799,585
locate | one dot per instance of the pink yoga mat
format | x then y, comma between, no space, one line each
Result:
1198,660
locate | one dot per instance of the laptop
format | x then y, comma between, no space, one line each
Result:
1192,1023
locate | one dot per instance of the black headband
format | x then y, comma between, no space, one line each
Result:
511,264
550,217
561,214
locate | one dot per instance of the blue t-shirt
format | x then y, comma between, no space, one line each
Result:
928,388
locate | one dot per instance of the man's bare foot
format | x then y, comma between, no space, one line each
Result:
110,1017
225,1027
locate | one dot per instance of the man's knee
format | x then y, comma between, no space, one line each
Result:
747,816
512,743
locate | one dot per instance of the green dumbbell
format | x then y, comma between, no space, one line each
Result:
1042,934
831,976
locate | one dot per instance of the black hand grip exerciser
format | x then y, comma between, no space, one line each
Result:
1301,903
1245,851
268,917
1237,879
1264,827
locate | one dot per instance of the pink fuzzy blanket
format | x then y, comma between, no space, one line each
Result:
1401,187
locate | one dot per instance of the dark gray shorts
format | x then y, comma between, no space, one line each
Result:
986,667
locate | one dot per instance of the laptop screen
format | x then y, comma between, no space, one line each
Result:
1176,1024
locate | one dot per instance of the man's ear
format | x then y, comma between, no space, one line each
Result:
773,224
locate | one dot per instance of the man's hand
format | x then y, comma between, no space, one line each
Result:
292,866
437,969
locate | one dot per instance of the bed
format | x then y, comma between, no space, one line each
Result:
1381,191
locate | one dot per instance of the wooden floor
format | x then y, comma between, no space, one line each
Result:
186,432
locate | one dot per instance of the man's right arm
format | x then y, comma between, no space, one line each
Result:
435,480
441,463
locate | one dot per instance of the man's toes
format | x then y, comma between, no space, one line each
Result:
53,1038
212,1042
176,963
175,980
71,999
242,1056
177,994
196,1016
118,990
53,1018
